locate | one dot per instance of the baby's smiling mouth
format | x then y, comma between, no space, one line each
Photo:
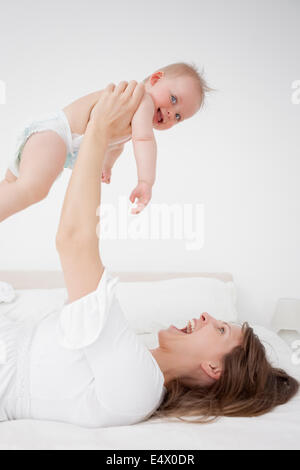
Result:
160,117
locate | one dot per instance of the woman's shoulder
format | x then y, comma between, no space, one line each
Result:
81,321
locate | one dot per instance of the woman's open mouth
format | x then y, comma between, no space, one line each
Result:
189,329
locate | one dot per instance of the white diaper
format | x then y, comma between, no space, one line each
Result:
56,121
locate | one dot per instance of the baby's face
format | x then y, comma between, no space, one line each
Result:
175,99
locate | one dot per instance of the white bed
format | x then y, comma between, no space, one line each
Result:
279,429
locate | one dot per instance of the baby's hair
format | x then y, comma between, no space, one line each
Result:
180,69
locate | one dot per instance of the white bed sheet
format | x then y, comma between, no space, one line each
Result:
278,429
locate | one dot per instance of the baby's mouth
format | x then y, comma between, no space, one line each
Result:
160,118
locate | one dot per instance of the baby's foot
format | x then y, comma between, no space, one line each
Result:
106,175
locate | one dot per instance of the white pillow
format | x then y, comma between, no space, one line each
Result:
151,306
278,351
148,306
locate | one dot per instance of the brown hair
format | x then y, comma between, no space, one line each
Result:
248,386
180,69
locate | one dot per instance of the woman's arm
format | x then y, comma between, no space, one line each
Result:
76,240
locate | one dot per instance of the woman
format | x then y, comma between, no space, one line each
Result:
83,364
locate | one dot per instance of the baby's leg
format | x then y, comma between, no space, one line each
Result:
43,158
109,162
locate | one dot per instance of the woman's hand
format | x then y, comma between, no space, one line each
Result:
114,111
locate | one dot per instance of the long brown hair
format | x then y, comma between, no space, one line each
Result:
248,386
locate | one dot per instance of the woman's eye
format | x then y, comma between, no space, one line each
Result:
173,99
178,117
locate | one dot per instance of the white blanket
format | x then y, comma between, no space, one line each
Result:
279,429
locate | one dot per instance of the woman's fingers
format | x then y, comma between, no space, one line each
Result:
132,91
133,94
117,106
120,88
130,88
138,94
110,87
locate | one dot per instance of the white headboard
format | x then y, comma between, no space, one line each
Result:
54,279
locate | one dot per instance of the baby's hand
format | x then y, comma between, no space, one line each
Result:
143,193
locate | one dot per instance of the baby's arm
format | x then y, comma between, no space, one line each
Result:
143,139
110,159
145,151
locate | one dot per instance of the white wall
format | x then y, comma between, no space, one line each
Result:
239,156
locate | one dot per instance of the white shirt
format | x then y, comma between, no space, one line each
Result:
87,366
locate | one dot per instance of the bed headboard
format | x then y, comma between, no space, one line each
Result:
54,279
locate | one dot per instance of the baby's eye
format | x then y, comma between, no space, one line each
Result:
222,329
173,99
178,117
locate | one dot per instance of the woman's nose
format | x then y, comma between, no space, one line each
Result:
204,317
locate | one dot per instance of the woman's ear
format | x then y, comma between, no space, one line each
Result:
213,370
155,77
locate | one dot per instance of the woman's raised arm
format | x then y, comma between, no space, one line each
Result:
76,240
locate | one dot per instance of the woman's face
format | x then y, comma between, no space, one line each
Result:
202,348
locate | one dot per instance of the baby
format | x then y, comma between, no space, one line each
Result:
51,143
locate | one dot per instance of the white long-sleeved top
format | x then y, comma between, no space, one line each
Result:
81,364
